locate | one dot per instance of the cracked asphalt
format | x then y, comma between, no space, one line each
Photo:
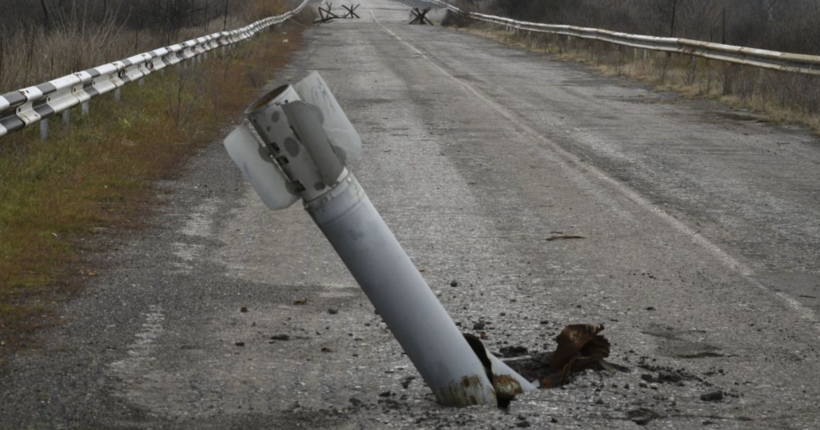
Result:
701,255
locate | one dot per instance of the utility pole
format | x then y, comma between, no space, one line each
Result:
723,40
207,3
225,17
674,10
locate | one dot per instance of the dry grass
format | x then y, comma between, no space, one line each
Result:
780,97
34,56
97,174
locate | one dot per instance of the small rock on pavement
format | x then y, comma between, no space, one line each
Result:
454,283
406,382
244,309
666,376
479,325
514,351
333,311
641,416
386,394
712,396
523,424
240,343
280,337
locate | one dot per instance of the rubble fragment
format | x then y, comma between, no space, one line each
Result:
513,351
580,347
564,237
642,416
712,396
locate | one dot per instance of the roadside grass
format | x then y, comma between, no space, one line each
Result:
778,97
77,42
96,174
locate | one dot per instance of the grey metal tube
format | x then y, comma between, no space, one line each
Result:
401,296
312,167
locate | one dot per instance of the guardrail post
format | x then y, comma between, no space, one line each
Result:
311,167
85,109
67,117
117,94
44,129
645,54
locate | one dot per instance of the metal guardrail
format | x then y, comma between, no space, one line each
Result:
22,108
773,60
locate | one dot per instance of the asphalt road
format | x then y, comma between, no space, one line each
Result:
701,255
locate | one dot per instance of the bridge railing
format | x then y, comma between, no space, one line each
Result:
773,60
22,108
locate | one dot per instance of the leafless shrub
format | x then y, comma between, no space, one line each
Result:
184,95
785,25
661,66
75,38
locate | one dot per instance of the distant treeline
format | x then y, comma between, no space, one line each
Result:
45,39
782,25
161,15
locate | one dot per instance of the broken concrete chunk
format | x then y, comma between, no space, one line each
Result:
513,351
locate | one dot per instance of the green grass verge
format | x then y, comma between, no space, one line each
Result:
97,173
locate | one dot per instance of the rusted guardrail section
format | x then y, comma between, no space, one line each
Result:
773,60
22,108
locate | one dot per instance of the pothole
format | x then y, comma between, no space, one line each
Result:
579,347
